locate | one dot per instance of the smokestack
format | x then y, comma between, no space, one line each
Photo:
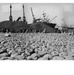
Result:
10,17
24,19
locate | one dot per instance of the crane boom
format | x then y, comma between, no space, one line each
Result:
34,20
53,18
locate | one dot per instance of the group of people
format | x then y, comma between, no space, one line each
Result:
4,30
20,30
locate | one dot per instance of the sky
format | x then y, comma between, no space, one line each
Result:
63,11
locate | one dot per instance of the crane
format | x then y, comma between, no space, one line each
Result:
34,19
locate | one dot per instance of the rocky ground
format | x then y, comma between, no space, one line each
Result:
36,46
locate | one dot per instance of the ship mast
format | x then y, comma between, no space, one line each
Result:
24,18
10,17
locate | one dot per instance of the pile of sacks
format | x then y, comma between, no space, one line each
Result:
36,46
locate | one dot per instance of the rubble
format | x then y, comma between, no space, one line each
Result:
25,46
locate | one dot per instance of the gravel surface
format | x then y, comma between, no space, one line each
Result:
36,46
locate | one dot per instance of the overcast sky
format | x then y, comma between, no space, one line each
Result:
64,12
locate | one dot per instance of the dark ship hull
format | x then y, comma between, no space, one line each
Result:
40,27
14,27
50,24
20,26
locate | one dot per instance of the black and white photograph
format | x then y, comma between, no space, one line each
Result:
36,31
